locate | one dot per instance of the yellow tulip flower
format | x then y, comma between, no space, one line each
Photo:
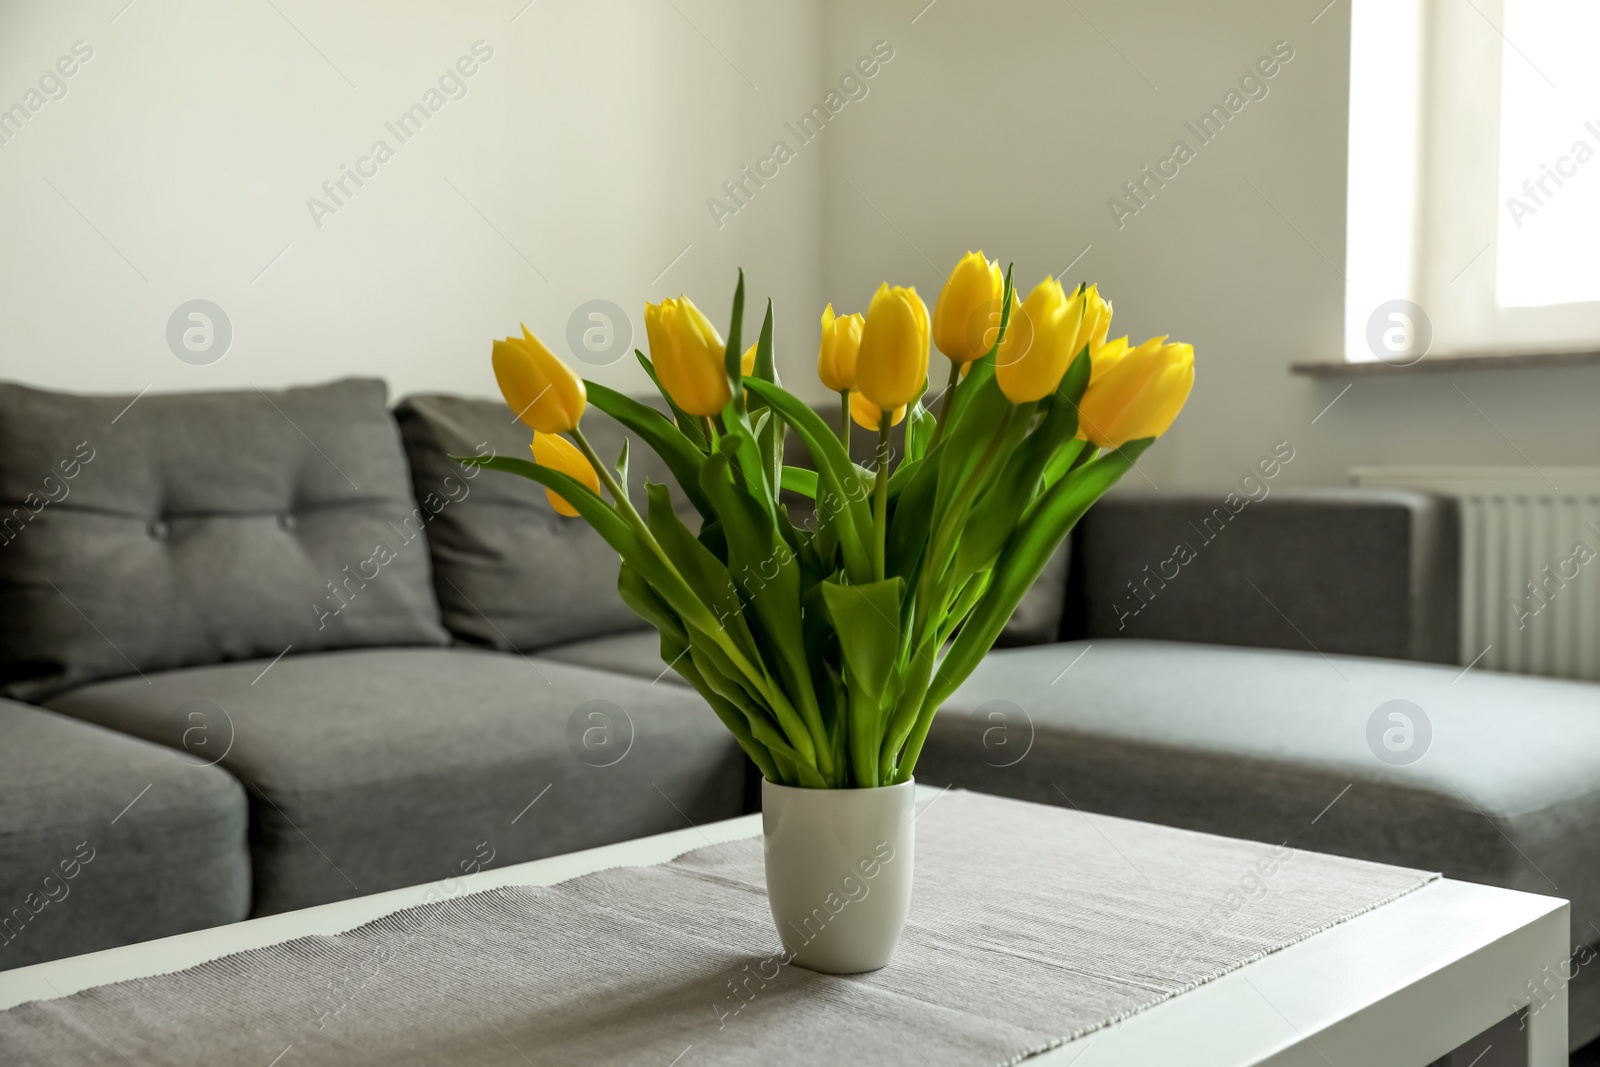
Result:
688,355
1096,321
1104,356
1136,393
836,356
962,326
1040,343
559,454
892,365
542,390
868,415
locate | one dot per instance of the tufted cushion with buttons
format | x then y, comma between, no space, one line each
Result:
145,533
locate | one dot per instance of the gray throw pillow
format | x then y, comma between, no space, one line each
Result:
511,573
147,533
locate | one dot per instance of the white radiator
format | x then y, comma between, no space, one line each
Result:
1530,562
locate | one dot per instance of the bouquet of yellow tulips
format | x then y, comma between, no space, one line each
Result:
826,649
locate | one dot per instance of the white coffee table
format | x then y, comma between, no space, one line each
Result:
1401,985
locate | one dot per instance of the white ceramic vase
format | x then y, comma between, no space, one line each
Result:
839,865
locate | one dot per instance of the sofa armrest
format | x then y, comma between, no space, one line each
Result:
1370,572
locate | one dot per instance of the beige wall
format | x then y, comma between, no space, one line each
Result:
193,138
179,163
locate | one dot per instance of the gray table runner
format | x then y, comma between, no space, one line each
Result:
1031,925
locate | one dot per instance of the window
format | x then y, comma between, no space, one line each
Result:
1549,140
1474,197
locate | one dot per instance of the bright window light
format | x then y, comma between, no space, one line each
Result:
1549,219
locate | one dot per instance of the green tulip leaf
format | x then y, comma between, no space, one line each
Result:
761,562
739,446
606,522
710,535
800,480
842,498
912,520
869,616
1001,505
1027,551
677,653
647,604
705,573
734,353
769,434
766,367
685,423
680,454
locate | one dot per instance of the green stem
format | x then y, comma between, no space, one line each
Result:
909,726
919,734
897,725
618,494
935,562
944,406
880,496
844,419
965,601
799,735
863,746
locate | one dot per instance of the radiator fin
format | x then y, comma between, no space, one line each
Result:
1530,562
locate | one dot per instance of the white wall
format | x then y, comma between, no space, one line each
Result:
1009,126
184,152
597,132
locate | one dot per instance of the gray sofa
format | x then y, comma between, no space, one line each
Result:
266,650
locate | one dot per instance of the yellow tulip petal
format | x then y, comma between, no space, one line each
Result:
1040,342
541,389
869,416
892,363
837,353
968,308
1138,395
559,454
688,355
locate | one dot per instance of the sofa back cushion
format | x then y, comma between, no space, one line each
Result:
510,573
1365,572
146,533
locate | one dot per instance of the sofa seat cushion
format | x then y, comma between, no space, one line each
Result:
1284,746
161,531
108,840
372,769
637,653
